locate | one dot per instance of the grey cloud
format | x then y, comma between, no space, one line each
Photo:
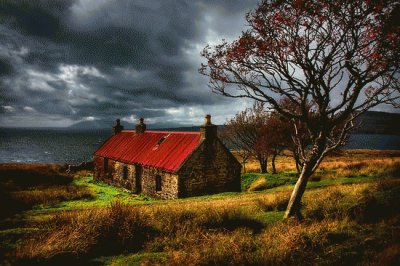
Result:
104,59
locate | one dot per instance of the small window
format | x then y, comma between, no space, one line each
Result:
125,172
160,141
105,165
158,183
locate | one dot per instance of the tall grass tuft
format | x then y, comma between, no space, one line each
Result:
332,202
375,168
117,228
23,185
229,219
51,194
274,202
258,185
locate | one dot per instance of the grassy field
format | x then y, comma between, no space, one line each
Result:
351,210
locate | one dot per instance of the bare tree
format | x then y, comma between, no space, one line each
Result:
340,56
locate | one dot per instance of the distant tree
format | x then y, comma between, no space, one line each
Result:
232,140
340,56
298,130
279,136
246,133
257,133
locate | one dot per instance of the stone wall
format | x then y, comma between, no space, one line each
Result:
169,184
121,179
210,169
99,171
118,176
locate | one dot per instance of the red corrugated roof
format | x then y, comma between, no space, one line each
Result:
163,150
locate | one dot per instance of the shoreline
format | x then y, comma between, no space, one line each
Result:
341,153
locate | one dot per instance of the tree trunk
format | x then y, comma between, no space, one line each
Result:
273,163
263,166
297,160
293,208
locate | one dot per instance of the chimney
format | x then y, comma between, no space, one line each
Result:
208,131
141,127
118,127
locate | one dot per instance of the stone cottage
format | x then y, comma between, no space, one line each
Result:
167,165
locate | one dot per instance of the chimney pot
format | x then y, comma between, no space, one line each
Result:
118,127
141,127
207,120
208,131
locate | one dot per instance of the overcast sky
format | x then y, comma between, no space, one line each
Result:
63,62
71,61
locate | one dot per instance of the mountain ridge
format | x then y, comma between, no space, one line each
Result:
371,122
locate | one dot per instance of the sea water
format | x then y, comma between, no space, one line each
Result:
49,145
61,146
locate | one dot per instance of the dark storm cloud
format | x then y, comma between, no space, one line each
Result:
85,60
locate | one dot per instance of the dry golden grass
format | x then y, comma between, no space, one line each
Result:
51,194
25,185
274,202
242,229
78,231
337,161
210,232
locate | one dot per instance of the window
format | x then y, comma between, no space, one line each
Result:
105,165
158,183
125,172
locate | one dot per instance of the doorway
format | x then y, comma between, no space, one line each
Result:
138,178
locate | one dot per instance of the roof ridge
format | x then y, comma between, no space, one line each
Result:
164,132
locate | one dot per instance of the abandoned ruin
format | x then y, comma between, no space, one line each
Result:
167,165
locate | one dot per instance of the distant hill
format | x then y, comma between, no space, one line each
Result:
378,123
181,129
98,124
102,124
369,123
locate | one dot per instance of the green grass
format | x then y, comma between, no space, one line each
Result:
270,179
133,259
286,180
104,195
339,181
270,218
